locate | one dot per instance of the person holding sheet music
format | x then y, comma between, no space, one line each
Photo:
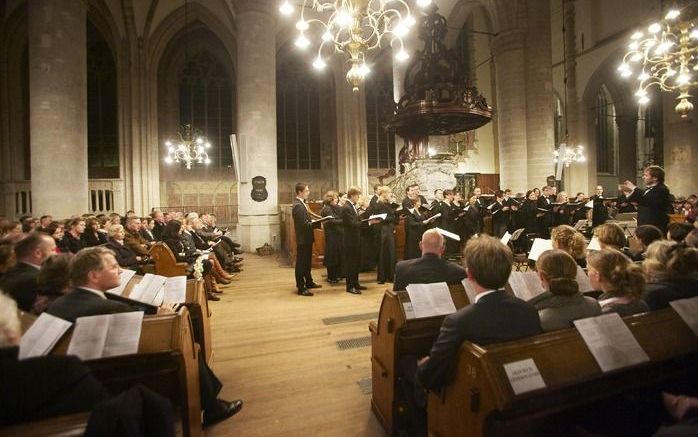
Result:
599,213
545,212
620,280
415,225
334,236
562,210
528,214
412,193
500,211
561,303
351,220
304,241
448,222
654,202
385,229
513,211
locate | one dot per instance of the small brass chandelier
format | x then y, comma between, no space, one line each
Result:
190,148
354,27
665,55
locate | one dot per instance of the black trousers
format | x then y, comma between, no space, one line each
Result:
352,261
304,255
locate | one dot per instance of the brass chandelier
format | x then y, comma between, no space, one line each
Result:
665,55
353,27
189,149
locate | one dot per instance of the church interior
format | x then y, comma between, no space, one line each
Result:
307,202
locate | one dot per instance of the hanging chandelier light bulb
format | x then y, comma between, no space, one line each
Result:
353,27
666,56
189,149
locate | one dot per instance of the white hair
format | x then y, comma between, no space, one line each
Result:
10,328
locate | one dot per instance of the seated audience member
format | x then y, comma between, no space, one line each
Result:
44,222
93,271
671,270
72,238
644,236
621,281
20,281
567,239
53,281
93,235
684,411
158,224
495,316
125,256
133,238
678,231
10,227
611,236
561,303
7,257
42,387
692,239
430,267
147,226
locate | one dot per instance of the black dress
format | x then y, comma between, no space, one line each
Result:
91,239
386,248
71,243
527,214
414,228
334,244
124,255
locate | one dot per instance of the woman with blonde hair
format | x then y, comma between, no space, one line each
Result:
621,281
610,236
671,270
566,238
561,303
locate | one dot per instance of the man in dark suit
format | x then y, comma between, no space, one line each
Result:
500,214
133,238
654,202
495,316
304,241
430,268
20,281
545,209
411,193
159,220
351,220
599,214
93,271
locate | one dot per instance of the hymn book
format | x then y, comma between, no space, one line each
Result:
539,246
583,281
432,218
506,237
149,289
430,300
175,289
610,341
525,285
447,234
688,311
469,290
376,217
106,335
321,219
42,336
594,244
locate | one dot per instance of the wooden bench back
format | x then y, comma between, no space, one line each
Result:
480,400
165,262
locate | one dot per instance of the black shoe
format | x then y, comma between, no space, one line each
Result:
222,411
305,292
313,285
353,291
361,287
212,296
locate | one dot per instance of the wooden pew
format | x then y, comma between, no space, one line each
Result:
165,262
393,336
480,400
166,362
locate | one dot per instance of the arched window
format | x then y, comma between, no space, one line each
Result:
381,144
606,132
102,108
297,117
206,103
558,120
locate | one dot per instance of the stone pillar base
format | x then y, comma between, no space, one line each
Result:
255,230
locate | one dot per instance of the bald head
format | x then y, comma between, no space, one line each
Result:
432,242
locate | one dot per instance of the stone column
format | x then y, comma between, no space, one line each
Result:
540,132
508,54
256,99
58,106
352,144
680,148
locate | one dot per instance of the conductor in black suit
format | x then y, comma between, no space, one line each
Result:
430,268
654,202
304,241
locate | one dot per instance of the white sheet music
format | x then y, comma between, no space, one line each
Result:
431,299
106,335
594,244
688,311
469,289
589,204
583,281
434,217
506,237
539,246
42,336
147,290
610,341
175,289
378,216
126,276
447,234
525,285
124,334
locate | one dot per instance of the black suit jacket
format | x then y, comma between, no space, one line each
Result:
652,206
352,226
495,318
426,270
302,223
124,255
81,303
20,284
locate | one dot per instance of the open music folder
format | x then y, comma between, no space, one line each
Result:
431,299
106,335
42,336
610,341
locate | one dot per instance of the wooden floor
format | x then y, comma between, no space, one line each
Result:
272,349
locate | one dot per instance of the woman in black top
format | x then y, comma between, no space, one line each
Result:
92,235
72,240
334,236
414,229
528,213
386,228
124,255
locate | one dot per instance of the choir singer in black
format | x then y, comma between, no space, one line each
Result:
304,240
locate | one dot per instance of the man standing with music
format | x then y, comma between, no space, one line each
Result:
654,202
304,240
